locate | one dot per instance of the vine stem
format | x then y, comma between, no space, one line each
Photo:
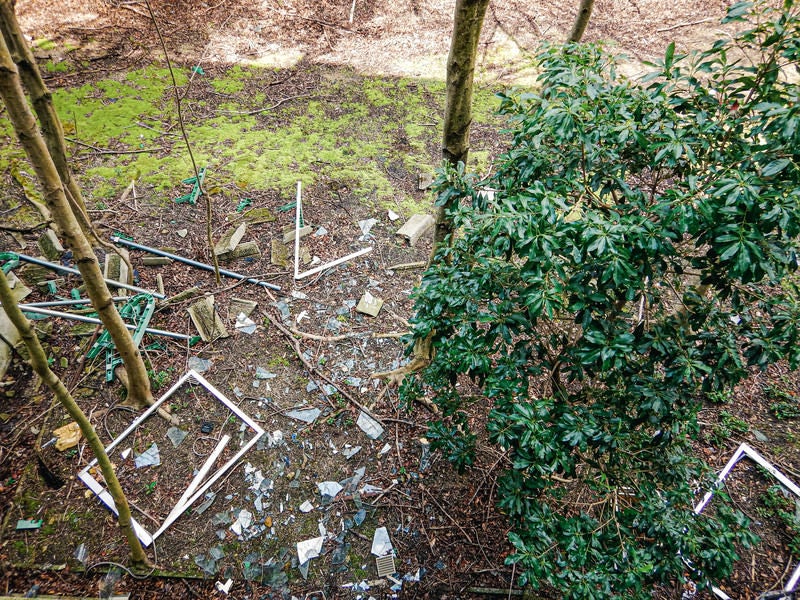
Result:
209,212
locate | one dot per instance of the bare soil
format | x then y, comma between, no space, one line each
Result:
448,536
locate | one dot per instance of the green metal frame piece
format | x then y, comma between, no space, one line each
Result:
197,189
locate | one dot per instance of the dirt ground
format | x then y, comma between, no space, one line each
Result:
449,540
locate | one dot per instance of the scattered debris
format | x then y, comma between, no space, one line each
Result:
187,261
201,365
369,426
242,306
67,436
366,226
176,436
415,228
308,549
50,245
224,587
156,261
243,250
29,524
385,565
306,507
349,452
205,318
149,458
393,216
329,489
192,377
197,188
306,415
230,239
369,305
381,544
245,324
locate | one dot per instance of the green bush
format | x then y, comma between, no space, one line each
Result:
627,264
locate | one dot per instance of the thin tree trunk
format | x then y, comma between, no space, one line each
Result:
581,20
24,123
50,124
467,25
38,361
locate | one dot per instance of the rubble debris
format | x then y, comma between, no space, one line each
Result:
67,436
381,544
369,426
424,181
415,228
243,250
50,245
149,458
201,365
115,270
256,216
156,261
63,269
280,254
187,261
205,318
242,306
369,305
288,235
230,239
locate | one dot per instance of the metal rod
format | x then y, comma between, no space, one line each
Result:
64,315
55,267
72,302
193,263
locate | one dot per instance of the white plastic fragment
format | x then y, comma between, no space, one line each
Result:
385,450
306,507
393,216
369,426
308,549
224,587
381,544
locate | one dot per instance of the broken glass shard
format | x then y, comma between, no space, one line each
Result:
381,545
264,374
369,426
221,518
306,415
308,549
217,552
81,554
340,554
245,324
176,436
350,452
201,365
359,517
210,497
329,488
148,458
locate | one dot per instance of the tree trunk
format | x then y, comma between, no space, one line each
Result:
38,360
467,25
50,124
22,119
581,20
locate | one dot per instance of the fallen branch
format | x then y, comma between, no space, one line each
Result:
312,369
260,110
25,229
347,336
105,151
405,266
679,25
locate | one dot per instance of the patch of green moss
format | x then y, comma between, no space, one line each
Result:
44,44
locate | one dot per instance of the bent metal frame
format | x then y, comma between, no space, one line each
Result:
199,488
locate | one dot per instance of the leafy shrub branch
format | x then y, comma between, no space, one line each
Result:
628,263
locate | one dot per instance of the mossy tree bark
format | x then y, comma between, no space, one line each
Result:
30,138
38,361
467,26
581,20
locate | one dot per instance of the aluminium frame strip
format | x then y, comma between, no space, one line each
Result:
143,534
297,274
742,451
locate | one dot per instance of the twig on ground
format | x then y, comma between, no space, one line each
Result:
449,516
405,266
347,336
265,109
106,151
689,24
